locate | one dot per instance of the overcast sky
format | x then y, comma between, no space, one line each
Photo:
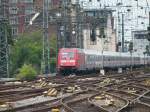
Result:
136,19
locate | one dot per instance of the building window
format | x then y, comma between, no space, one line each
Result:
29,10
13,1
27,1
13,21
27,19
13,10
14,31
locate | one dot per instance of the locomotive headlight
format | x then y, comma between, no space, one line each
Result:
72,61
63,61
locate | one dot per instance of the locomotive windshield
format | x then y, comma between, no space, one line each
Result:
67,55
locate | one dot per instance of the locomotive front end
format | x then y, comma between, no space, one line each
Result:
67,60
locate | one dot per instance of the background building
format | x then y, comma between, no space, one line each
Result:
20,12
140,41
98,21
105,34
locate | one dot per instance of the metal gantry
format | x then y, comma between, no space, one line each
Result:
46,43
4,47
69,26
4,50
73,19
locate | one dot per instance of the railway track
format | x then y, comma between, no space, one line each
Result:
40,107
137,107
129,96
109,102
133,89
78,103
145,100
121,93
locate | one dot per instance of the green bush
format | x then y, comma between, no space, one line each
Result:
27,72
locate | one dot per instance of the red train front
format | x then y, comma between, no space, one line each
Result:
69,60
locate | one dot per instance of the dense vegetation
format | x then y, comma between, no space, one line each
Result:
27,51
26,72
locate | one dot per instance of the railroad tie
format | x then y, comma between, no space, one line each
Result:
52,92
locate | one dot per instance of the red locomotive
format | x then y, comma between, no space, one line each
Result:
70,60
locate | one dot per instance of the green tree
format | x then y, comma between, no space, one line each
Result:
28,50
26,72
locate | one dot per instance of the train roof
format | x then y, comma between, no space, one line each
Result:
106,53
68,49
109,53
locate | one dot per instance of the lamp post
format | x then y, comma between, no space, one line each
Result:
103,62
144,59
102,71
131,54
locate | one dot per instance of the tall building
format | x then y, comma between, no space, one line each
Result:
20,12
